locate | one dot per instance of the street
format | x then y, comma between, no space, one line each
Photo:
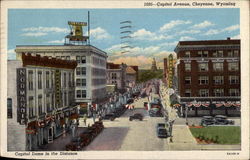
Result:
126,135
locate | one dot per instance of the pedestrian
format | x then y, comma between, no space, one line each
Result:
85,119
94,115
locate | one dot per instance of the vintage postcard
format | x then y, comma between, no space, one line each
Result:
125,79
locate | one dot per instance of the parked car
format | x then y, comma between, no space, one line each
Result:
136,116
222,120
207,120
110,116
162,132
161,125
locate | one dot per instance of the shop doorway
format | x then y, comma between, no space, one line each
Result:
50,135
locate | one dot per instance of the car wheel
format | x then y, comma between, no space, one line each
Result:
130,119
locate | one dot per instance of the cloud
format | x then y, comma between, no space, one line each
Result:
212,32
227,29
56,41
143,34
172,24
192,31
232,28
168,44
35,34
46,29
184,38
11,54
236,37
204,24
99,33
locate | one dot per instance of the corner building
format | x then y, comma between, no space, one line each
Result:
209,76
40,101
90,73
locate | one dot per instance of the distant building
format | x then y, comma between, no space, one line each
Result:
90,73
41,101
153,67
116,75
130,76
209,76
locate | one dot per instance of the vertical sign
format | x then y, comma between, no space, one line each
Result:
58,88
21,96
170,71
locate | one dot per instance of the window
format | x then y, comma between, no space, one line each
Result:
40,105
39,80
218,54
52,79
234,92
218,92
31,107
203,79
81,93
187,80
64,79
218,80
69,81
81,71
203,67
113,76
80,82
52,101
233,79
65,99
47,79
78,59
203,54
188,93
203,92
187,67
114,82
218,66
67,57
233,66
187,54
230,54
58,57
9,107
48,103
63,57
236,53
83,58
30,80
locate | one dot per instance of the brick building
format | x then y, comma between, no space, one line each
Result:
209,76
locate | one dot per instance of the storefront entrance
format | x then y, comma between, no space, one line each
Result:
50,135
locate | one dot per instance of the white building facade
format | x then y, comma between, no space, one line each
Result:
90,73
41,104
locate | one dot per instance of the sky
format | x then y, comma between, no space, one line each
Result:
154,32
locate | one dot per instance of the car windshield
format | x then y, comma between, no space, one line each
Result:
162,131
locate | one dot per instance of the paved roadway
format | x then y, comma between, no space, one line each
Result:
125,135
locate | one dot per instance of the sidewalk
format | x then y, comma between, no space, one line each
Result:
60,142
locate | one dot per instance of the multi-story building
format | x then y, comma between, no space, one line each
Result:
130,76
209,75
116,74
90,73
41,104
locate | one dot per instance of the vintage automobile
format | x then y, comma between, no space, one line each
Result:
110,116
222,120
207,120
161,130
136,116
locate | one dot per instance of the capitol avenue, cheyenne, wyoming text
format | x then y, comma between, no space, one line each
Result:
183,4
